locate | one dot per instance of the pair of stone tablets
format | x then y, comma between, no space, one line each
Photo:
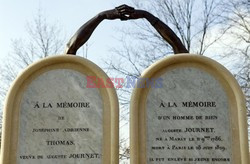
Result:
195,114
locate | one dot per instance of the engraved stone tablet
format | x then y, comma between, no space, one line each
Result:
54,115
193,113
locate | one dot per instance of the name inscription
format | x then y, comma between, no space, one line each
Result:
60,120
188,119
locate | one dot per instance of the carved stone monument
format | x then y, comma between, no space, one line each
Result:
185,109
188,109
54,115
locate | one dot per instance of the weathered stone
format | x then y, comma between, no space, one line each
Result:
196,115
52,117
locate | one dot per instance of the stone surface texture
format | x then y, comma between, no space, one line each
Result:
166,136
50,88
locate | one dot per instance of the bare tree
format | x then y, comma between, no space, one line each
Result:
43,39
193,21
236,19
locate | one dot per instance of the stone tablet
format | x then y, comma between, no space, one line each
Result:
188,109
55,114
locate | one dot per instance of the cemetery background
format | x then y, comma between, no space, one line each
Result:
222,32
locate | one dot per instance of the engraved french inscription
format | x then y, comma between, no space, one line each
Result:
60,120
188,119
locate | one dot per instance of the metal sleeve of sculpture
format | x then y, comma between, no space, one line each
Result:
124,12
82,35
166,32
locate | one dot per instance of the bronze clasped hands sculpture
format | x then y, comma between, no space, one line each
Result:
123,12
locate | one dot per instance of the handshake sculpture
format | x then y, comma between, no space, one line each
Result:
124,12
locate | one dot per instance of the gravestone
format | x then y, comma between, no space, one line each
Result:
188,109
56,113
